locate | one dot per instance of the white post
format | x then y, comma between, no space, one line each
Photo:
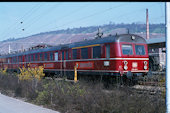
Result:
167,22
9,49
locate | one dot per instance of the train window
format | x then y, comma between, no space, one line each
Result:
127,49
51,55
12,59
63,55
84,53
27,58
40,56
15,59
56,56
140,50
8,60
36,57
74,53
97,52
66,55
32,58
107,51
22,58
45,56
18,59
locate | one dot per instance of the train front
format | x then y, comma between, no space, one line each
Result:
134,60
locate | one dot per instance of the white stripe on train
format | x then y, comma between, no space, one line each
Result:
95,70
83,60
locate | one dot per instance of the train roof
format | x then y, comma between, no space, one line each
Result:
107,39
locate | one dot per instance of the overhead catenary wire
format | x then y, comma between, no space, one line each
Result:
31,12
125,15
24,20
66,15
78,9
85,17
17,23
91,15
46,12
98,12
22,28
20,18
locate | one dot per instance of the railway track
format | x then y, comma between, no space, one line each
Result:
152,90
151,83
151,87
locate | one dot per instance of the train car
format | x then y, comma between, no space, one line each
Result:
118,55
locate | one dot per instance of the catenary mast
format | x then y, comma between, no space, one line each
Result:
167,23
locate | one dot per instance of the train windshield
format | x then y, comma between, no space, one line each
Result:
140,50
127,49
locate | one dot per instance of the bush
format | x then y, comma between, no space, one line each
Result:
3,71
83,97
31,73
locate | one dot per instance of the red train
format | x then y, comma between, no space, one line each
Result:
125,54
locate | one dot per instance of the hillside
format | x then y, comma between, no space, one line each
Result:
79,34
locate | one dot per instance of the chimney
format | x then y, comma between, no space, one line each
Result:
147,25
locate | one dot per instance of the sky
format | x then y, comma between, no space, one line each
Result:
22,19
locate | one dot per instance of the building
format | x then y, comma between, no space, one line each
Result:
157,53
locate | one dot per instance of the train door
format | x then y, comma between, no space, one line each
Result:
64,58
61,57
1,64
24,60
56,56
9,62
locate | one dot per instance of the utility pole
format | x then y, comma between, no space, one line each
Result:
147,25
167,23
22,48
9,49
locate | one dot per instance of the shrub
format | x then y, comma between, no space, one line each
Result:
31,73
3,71
83,97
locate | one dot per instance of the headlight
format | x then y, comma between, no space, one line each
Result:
125,65
145,65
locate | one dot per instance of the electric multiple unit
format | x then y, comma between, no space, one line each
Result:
111,55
